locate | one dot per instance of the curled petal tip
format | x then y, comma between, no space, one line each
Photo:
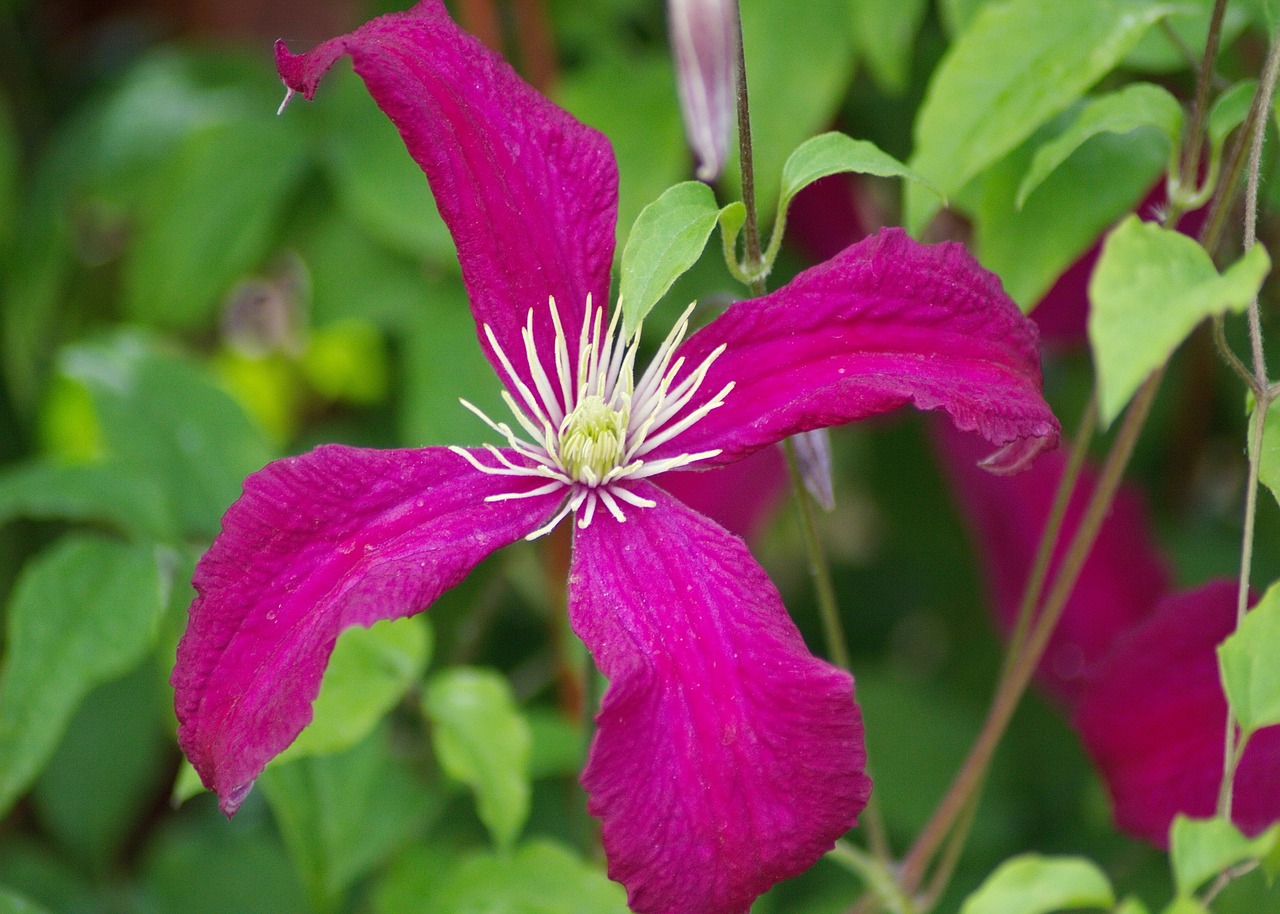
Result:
1018,455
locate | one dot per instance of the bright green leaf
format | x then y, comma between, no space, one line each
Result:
482,740
369,671
164,418
1271,863
1016,66
833,153
1200,849
1184,905
1029,248
1250,672
81,492
666,241
884,33
1150,289
1230,110
82,613
209,218
1033,884
341,815
1132,905
1135,106
541,877
13,903
1159,51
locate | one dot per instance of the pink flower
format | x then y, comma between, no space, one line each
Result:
727,757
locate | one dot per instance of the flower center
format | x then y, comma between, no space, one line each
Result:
593,439
592,431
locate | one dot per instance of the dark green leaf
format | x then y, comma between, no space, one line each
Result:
13,903
1133,107
164,418
92,492
1032,884
666,241
884,33
341,815
209,217
1200,849
1150,289
1250,673
1017,65
482,740
82,613
8,177
369,672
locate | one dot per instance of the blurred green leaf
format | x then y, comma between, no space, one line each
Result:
342,815
1131,108
884,33
482,740
1150,289
632,100
1184,905
799,62
9,164
346,361
667,239
368,673
540,877
1189,21
1032,884
1229,112
109,769
13,903
1200,849
85,492
209,216
1030,248
558,746
82,613
1017,65
1132,905
1250,673
164,418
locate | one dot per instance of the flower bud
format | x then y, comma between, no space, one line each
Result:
704,37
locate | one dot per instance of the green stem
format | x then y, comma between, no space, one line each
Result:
1199,110
746,160
879,881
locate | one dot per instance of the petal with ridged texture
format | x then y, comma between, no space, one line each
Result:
885,323
727,757
1154,721
529,194
338,537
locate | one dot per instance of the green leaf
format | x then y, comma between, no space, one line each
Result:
541,877
1271,864
1229,111
1033,884
368,673
8,177
1159,52
482,740
800,61
1250,673
13,903
833,153
80,492
1200,849
1016,66
82,613
1029,248
341,815
1184,905
666,240
164,418
209,218
884,33
1150,289
1133,107
1132,905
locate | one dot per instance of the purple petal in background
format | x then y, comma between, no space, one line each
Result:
1119,585
1154,720
337,537
704,37
727,757
529,193
886,323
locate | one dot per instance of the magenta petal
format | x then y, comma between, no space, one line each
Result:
741,496
1155,718
1118,586
337,537
529,193
885,323
727,757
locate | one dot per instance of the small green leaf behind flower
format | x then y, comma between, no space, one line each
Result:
1200,849
1250,672
482,740
1150,289
1034,884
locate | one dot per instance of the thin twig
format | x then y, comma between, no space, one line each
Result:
746,163
1199,109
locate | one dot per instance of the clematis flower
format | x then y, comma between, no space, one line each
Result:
704,37
726,756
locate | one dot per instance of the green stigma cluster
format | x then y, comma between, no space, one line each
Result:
594,439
